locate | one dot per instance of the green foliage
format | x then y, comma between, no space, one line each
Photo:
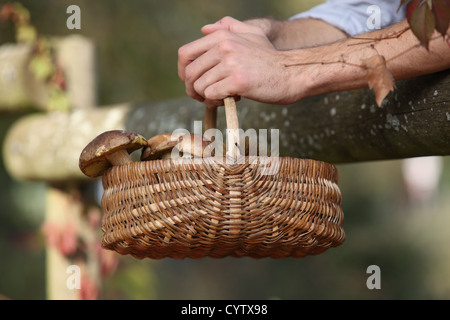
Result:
43,62
133,280
20,16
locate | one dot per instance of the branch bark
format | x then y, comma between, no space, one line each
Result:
343,127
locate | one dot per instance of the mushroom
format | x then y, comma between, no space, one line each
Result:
111,148
194,145
160,146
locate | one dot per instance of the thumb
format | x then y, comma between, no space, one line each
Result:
230,24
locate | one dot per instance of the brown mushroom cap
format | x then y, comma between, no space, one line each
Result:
159,145
94,157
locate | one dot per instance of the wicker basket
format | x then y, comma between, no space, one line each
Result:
191,209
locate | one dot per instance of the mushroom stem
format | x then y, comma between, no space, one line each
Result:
119,157
167,155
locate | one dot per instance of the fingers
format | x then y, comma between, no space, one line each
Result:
190,52
193,50
207,61
219,90
212,104
233,25
220,82
198,61
199,68
203,75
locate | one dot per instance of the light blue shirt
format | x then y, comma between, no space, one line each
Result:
356,17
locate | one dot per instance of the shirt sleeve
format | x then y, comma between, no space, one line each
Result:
355,17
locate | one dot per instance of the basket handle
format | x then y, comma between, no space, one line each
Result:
232,128
233,152
210,118
232,125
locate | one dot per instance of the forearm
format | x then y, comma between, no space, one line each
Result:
299,33
339,66
237,59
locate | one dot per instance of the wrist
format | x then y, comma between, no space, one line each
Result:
326,69
268,25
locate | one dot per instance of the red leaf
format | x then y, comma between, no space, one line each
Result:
411,7
441,11
68,240
64,239
422,23
6,11
108,261
89,289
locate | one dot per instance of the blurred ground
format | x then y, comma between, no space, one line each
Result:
137,44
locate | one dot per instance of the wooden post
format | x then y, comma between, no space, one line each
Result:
21,91
65,209
69,276
72,260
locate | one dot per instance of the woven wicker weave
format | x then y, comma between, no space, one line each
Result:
165,208
189,208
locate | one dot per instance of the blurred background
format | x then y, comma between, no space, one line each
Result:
388,221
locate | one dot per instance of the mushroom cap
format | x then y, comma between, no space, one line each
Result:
159,145
193,144
93,160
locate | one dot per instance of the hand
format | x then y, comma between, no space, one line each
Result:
235,59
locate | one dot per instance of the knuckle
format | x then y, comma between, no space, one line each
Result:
231,61
224,47
239,81
226,20
211,94
229,46
198,86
